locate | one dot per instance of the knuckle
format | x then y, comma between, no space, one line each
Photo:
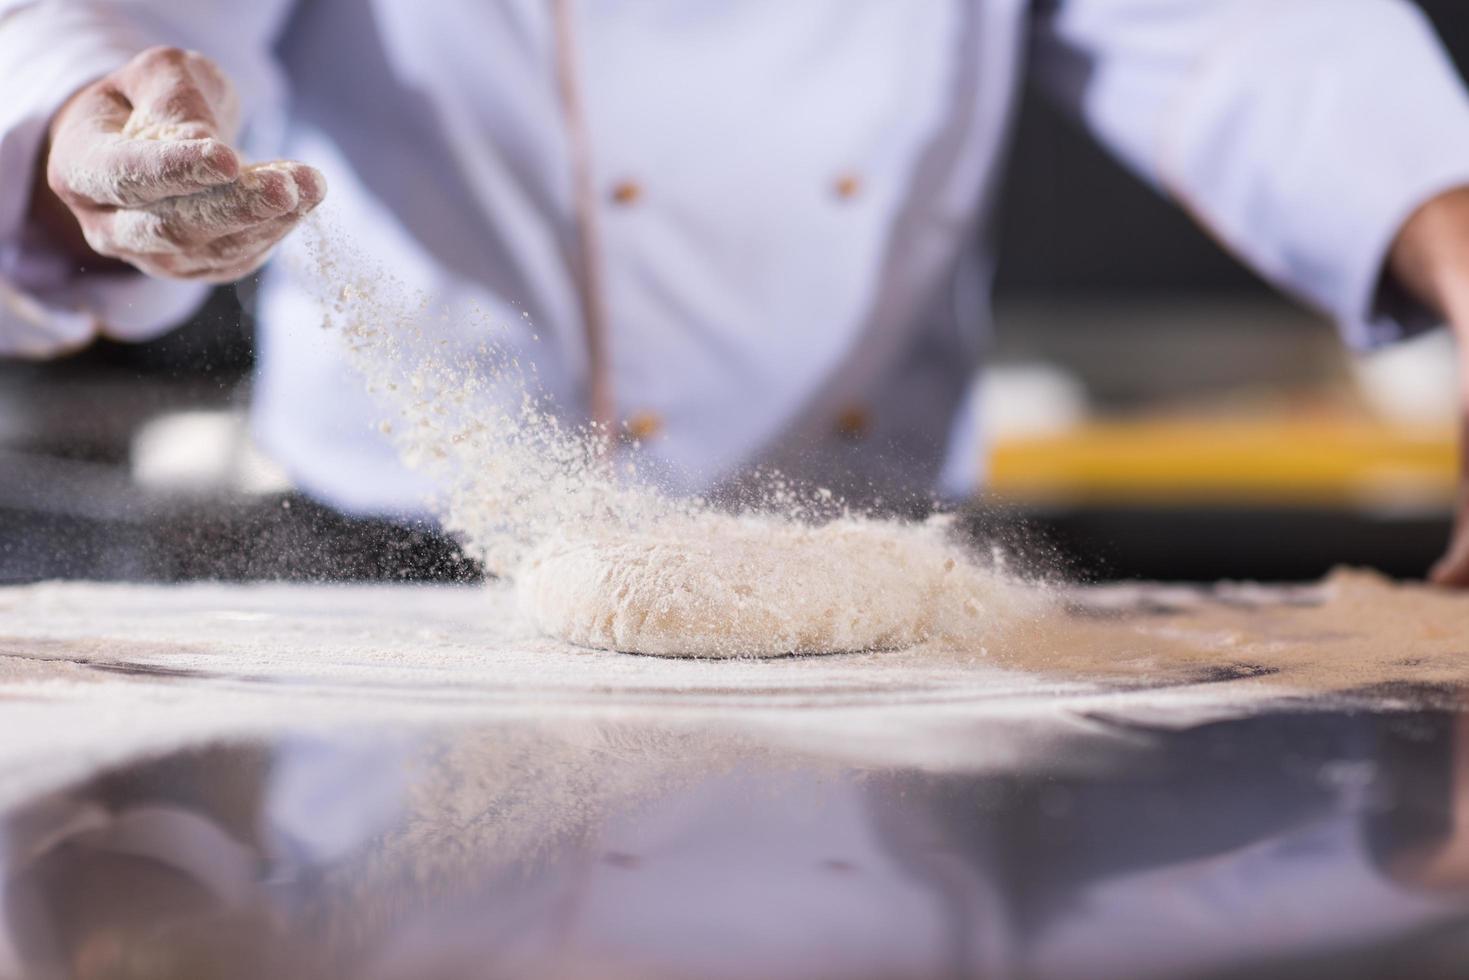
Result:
148,233
217,251
127,186
161,56
277,193
172,268
245,269
170,235
205,69
101,241
239,248
248,263
154,265
221,276
214,271
181,103
58,179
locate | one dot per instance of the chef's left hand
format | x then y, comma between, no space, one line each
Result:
1431,260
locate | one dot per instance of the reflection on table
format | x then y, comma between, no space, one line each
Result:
1305,842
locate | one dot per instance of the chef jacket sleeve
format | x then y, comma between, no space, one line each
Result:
48,50
1301,133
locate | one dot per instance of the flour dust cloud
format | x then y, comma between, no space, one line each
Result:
598,555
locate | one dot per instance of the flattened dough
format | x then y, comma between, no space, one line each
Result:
722,586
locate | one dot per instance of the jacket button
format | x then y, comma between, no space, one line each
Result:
854,423
626,192
847,186
642,426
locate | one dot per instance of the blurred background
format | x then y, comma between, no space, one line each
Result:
1156,411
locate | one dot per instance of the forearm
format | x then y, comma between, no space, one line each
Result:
47,52
1430,261
1430,250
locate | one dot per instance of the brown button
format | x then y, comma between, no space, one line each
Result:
854,423
641,426
847,186
626,192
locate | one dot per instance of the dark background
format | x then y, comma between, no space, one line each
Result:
1079,229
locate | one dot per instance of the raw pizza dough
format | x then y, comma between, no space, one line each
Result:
718,586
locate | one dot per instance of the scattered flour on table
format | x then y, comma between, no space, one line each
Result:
598,555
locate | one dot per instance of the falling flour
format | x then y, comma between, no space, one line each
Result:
600,557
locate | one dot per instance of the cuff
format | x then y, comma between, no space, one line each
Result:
49,50
1415,144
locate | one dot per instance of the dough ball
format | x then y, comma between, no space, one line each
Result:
720,586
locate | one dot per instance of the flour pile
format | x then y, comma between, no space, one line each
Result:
599,556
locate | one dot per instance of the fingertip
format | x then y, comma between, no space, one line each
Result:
277,190
220,161
1449,574
311,185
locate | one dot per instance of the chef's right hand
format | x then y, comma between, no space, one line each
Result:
141,168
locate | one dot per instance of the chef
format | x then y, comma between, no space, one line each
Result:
742,232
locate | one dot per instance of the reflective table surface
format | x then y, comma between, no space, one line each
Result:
1294,842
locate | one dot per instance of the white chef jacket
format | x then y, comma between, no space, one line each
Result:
791,201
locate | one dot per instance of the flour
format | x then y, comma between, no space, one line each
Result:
600,556
124,173
184,225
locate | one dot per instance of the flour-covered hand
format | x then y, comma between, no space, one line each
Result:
142,161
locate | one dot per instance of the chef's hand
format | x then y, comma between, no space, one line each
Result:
139,168
1431,259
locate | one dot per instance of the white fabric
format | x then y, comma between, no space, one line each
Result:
1301,133
750,304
